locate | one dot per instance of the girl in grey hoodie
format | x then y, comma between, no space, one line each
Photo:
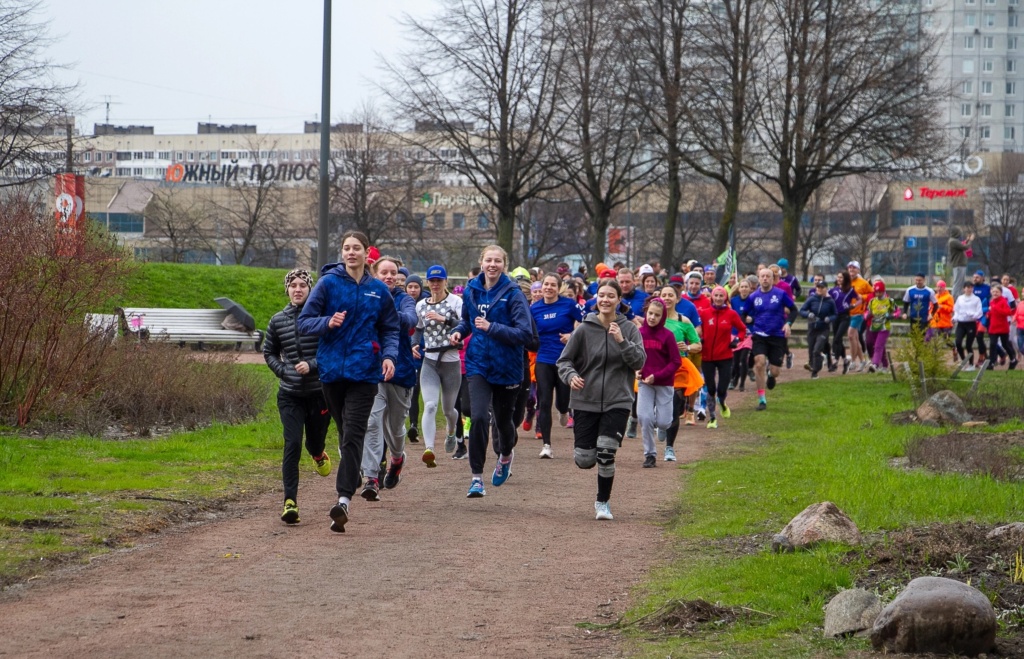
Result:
599,363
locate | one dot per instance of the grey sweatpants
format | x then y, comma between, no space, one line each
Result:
386,424
442,380
653,410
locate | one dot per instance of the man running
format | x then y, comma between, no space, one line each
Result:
917,303
771,329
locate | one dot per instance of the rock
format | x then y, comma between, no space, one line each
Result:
1014,531
939,615
821,522
851,611
943,407
781,544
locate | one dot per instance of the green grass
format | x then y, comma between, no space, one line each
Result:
827,440
76,497
190,286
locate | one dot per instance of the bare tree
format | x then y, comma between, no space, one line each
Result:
603,156
34,125
552,227
177,217
480,81
842,88
853,222
814,227
1003,196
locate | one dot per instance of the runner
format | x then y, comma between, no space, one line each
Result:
688,380
917,303
966,314
940,320
556,317
354,315
740,303
771,328
631,295
720,322
300,398
863,290
984,293
999,327
789,279
440,375
496,314
656,378
695,295
386,427
414,289
881,309
845,297
820,311
599,363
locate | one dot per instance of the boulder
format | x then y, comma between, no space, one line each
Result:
939,615
821,522
1014,531
850,612
943,407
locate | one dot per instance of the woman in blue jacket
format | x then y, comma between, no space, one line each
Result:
497,311
556,318
354,315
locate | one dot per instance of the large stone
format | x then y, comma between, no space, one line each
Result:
850,612
940,615
1013,531
943,407
821,522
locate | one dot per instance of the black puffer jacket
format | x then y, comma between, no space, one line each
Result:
282,352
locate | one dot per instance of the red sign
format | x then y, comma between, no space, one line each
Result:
931,193
69,213
908,195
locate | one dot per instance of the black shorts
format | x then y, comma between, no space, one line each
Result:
587,426
773,347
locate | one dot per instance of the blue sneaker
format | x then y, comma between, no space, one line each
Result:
476,489
502,471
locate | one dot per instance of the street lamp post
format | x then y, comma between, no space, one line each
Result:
323,238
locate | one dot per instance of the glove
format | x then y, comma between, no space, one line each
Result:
734,343
811,316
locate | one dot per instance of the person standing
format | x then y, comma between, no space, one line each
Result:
556,318
771,328
820,311
656,378
496,315
723,331
300,398
959,250
599,363
354,315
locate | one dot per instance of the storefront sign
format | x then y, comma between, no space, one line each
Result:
932,193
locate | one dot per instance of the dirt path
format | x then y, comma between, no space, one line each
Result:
425,572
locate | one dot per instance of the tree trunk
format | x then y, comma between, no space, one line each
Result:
506,228
599,225
732,205
671,215
792,210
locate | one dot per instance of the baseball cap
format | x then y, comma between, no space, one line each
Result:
980,273
853,264
783,263
676,279
436,272
821,284
645,270
709,268
879,285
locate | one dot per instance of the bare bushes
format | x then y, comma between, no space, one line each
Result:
57,374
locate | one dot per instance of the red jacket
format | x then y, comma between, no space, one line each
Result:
718,323
999,313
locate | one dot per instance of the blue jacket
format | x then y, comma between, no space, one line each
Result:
354,351
824,309
496,354
406,366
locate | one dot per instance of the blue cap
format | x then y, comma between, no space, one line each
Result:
784,263
436,272
980,273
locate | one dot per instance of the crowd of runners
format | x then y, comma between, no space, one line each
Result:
627,353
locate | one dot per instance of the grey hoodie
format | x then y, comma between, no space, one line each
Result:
956,248
608,368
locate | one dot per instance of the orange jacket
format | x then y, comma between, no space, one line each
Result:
864,291
942,311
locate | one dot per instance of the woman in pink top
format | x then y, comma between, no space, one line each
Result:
657,377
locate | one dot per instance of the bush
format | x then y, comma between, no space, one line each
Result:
913,350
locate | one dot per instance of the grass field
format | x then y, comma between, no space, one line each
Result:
828,440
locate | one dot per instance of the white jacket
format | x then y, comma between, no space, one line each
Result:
967,308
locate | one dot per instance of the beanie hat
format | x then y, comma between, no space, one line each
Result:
298,273
414,279
879,286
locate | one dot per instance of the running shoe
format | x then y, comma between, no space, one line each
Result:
428,459
460,452
546,452
872,368
742,388
339,517
833,367
572,422
661,435
969,367
713,423
412,434
650,461
449,443
807,367
690,420
670,454
527,424
563,419
539,435
394,475
466,423
814,376
323,464
771,380
602,510
846,365
732,385
789,360
1013,365
762,406
371,490
476,489
702,414
726,412
631,427
502,471
291,512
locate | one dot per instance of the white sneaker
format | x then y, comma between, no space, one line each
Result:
969,368
546,452
603,510
563,419
670,454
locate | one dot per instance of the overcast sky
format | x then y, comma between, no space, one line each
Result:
173,64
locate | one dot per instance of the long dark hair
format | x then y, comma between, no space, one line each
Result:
844,281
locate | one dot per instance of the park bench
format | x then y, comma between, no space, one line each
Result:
183,326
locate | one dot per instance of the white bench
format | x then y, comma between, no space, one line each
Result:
183,326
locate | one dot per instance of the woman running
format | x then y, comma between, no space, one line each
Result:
654,397
354,315
440,375
740,303
719,322
845,297
688,378
999,315
966,314
880,311
599,363
556,317
495,312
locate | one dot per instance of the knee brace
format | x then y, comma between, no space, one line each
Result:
606,448
585,458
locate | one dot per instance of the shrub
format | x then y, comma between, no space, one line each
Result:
913,350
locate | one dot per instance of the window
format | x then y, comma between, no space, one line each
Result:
970,20
1011,110
1013,20
438,220
163,155
123,171
1011,88
990,20
988,43
213,155
136,155
124,155
990,2
458,221
968,2
87,156
137,171
969,42
420,220
179,156
965,109
985,132
1011,66
987,66
1011,43
148,155
482,222
110,156
968,87
968,66
191,156
986,87
1009,133
202,156
986,110
965,131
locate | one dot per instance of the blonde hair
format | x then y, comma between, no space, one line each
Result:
494,248
394,259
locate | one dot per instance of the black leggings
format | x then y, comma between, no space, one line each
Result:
740,366
968,330
549,388
414,405
462,405
1004,339
840,328
300,413
678,405
350,404
716,379
482,394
